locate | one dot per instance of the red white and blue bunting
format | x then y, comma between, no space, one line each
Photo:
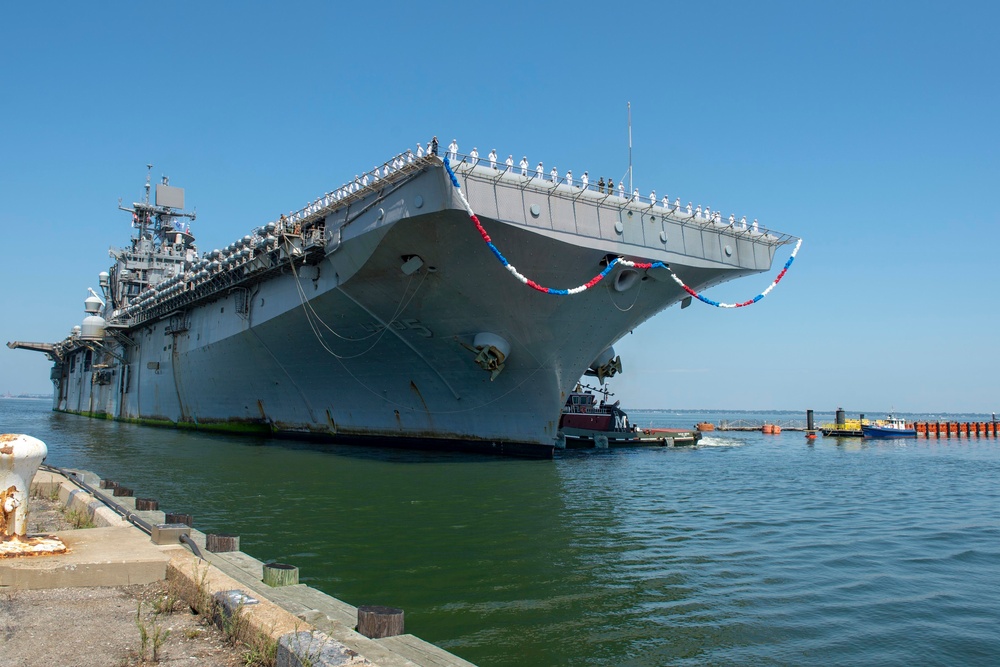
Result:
757,298
611,265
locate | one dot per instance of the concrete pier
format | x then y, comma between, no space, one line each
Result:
309,626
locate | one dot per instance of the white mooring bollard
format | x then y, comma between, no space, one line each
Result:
20,456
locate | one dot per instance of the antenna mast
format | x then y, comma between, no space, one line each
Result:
630,148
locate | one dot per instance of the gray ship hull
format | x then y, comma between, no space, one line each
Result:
371,337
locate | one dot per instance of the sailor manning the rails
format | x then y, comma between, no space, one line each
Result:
524,165
538,170
453,150
420,150
510,163
493,158
475,156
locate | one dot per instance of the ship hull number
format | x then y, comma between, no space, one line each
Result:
401,325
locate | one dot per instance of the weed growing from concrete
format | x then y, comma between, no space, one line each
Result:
308,654
203,602
78,519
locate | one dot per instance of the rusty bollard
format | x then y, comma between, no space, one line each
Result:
20,456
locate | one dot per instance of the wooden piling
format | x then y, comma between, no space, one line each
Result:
146,504
280,574
222,542
186,519
376,622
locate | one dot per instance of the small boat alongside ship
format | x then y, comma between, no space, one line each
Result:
585,423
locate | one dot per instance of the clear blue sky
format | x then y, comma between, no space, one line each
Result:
870,129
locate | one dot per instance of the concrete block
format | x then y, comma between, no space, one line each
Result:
95,557
314,649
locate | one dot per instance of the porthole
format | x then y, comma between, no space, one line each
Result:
729,251
535,210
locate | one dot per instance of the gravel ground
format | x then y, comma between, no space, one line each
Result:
98,627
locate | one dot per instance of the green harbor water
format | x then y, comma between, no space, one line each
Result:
750,549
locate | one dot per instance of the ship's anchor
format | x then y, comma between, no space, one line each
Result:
605,366
490,359
492,352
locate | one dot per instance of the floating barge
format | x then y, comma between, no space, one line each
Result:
854,428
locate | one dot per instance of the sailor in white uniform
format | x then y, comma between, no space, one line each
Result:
524,165
475,156
569,177
453,150
493,158
538,170
585,180
510,163
420,150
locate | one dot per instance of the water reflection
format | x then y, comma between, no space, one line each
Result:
749,549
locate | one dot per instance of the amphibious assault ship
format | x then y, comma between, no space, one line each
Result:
389,311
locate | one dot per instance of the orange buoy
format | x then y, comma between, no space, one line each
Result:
705,426
767,428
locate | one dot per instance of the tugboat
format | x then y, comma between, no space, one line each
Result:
585,423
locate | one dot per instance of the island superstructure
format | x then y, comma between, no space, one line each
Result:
377,314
